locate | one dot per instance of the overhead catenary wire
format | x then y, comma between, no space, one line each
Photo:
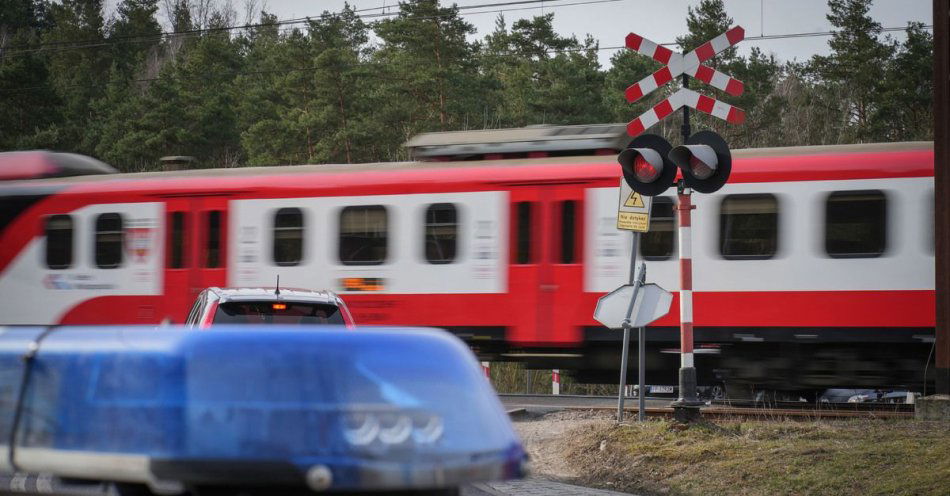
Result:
310,68
55,46
68,45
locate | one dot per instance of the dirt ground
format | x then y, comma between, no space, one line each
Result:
546,437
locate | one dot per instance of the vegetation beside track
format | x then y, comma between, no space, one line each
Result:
512,377
765,457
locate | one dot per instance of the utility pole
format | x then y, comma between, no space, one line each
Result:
941,114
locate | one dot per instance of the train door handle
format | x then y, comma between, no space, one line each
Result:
549,287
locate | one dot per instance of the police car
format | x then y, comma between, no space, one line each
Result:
279,306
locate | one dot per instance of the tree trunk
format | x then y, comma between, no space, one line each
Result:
438,62
346,135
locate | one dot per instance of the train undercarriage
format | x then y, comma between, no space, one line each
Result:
740,361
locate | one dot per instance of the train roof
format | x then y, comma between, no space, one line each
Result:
545,139
38,164
749,165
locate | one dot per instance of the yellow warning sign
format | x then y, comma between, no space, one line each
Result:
635,200
633,221
633,209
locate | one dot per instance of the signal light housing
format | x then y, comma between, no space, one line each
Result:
646,165
705,161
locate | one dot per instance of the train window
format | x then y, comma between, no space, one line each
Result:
213,246
364,235
59,241
657,243
441,233
288,236
176,241
855,224
109,241
748,227
523,233
568,223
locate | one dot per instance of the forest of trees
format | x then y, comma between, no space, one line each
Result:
342,87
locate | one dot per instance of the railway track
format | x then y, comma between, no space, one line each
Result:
659,407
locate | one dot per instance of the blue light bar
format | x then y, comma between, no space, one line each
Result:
327,408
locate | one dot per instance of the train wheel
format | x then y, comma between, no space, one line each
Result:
126,489
717,392
739,391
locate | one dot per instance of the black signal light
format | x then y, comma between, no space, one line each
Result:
646,166
705,161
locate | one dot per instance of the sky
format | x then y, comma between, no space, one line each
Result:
662,21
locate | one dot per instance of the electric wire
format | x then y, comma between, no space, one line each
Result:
159,37
301,69
53,46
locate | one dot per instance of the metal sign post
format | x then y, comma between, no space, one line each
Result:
634,304
636,281
633,214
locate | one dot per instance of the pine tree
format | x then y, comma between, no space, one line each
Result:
29,104
543,78
425,71
273,89
134,33
78,74
905,110
851,74
759,73
340,106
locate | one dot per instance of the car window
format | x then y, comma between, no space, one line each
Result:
277,312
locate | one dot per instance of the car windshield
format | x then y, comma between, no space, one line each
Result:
277,312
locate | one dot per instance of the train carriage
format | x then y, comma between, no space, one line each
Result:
813,266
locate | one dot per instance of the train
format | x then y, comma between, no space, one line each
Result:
813,266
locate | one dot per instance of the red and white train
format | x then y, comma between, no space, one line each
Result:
813,266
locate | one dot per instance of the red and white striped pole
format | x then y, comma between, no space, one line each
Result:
686,280
687,375
486,369
555,381
686,407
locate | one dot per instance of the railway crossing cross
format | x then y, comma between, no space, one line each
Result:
690,64
649,164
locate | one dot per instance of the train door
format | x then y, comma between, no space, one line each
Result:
212,266
529,310
562,270
546,271
179,257
195,250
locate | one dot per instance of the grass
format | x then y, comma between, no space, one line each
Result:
512,377
767,458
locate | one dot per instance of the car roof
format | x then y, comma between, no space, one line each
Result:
268,294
